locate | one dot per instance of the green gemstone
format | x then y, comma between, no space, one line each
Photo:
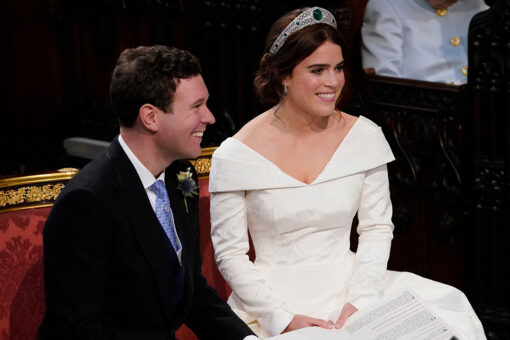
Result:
285,34
298,23
317,14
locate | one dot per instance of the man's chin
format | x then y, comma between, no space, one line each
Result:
195,153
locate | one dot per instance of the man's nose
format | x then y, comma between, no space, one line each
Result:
207,116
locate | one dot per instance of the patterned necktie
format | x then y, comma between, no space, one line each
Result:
164,213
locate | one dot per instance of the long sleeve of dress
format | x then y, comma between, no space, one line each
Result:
382,39
229,234
375,231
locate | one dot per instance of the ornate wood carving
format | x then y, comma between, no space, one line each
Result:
422,121
487,164
423,124
492,186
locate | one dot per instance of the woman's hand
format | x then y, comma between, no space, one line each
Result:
302,321
347,311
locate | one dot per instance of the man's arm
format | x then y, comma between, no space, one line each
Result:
210,316
382,39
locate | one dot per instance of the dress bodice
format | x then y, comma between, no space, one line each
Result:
287,224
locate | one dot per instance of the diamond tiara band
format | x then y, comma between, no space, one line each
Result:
314,15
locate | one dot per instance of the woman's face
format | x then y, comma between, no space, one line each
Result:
316,82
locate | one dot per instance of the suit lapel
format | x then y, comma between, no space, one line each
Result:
144,224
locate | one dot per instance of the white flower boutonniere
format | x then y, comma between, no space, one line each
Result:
187,186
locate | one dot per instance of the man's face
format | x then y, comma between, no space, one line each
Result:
440,4
180,131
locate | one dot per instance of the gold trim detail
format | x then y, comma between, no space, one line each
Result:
202,163
455,41
464,70
202,166
33,191
40,178
441,12
68,170
207,151
30,194
26,207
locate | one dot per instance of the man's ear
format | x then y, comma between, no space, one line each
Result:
147,116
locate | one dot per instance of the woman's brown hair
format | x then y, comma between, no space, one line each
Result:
273,68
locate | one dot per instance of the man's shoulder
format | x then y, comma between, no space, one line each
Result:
93,176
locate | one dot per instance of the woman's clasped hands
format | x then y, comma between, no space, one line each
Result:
302,321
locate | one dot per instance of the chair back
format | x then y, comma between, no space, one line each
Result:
25,202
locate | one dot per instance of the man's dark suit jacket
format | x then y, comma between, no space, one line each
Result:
108,272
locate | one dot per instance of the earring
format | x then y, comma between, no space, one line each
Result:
285,93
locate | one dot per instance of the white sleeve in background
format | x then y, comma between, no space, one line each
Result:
382,39
229,234
375,231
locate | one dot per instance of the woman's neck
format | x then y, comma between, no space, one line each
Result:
294,121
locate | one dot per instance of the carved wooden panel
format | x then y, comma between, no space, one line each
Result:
423,124
487,159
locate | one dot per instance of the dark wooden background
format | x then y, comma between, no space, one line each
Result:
449,183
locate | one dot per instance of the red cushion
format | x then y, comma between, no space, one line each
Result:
21,273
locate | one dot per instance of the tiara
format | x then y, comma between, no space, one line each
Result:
314,15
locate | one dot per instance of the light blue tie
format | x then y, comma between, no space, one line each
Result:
164,213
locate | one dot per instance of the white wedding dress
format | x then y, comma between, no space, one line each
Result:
301,236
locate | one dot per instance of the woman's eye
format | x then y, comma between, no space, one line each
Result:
317,70
339,67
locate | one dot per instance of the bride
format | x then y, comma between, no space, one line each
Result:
295,177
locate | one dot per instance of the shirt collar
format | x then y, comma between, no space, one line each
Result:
145,175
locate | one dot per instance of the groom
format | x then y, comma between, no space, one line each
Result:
121,245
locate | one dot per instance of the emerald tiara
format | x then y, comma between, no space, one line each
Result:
314,15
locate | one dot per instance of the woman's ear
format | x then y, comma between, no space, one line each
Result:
147,116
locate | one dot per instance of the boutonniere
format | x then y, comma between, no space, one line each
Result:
187,186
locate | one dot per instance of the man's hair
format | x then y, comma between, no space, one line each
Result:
148,75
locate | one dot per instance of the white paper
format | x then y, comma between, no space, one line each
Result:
402,316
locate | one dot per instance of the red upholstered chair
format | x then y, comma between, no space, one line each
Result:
25,203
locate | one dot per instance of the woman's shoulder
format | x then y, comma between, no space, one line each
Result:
364,133
368,123
254,129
